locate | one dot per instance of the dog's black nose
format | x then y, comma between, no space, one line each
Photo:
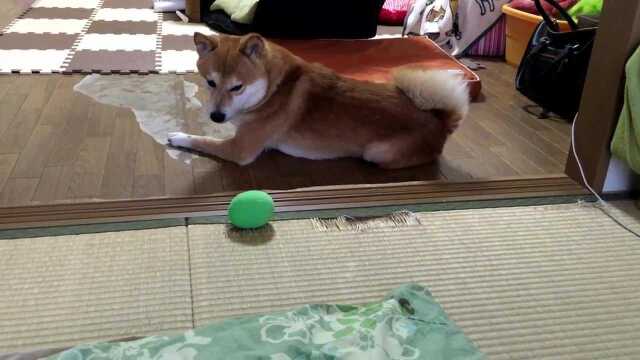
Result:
217,116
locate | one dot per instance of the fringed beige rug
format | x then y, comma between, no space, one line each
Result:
544,282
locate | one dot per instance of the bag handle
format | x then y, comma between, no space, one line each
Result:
553,24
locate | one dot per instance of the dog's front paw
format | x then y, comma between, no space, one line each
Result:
179,139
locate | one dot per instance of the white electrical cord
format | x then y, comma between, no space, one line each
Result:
601,204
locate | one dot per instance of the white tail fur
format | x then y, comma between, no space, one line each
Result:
435,90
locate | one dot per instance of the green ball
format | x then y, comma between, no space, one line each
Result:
250,209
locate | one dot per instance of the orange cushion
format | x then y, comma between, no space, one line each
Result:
373,60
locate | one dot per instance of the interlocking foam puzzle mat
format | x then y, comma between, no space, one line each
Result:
127,36
97,36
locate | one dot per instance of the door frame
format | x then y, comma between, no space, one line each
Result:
618,37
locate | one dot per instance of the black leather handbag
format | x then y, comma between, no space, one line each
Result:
554,66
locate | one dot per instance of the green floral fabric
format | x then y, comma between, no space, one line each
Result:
408,324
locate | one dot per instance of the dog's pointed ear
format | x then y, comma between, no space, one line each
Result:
205,44
253,46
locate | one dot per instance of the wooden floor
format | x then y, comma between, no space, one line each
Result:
58,146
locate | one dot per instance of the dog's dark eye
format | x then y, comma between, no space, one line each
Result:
211,83
236,88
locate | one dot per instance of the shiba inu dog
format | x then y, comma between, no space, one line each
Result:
279,101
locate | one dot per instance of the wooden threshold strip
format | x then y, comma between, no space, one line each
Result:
330,197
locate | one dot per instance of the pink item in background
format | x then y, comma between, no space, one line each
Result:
530,7
492,43
394,11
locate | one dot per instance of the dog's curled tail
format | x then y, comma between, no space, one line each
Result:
444,92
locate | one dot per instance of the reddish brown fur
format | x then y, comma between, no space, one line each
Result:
310,111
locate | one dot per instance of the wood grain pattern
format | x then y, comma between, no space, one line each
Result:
332,197
149,170
26,119
6,85
72,133
60,146
35,154
7,162
121,158
88,170
207,181
193,10
17,191
53,184
60,102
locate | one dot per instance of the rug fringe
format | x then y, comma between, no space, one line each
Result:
348,223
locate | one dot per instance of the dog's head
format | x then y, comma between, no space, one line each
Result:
235,71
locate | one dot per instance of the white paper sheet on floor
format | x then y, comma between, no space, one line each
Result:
161,104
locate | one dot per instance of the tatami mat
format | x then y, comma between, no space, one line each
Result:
66,290
539,282
546,282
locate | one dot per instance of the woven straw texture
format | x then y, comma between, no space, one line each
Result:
66,290
539,282
555,282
